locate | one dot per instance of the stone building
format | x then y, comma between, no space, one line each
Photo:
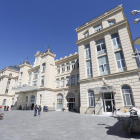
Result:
108,74
103,73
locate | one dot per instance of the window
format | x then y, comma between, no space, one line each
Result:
37,59
10,74
62,82
26,99
8,83
6,91
120,61
73,65
103,65
42,81
29,77
34,83
63,68
89,69
78,78
127,96
4,102
68,66
116,41
73,79
112,22
57,83
98,28
33,99
77,63
35,75
91,98
101,47
67,81
87,49
40,99
58,69
43,67
86,34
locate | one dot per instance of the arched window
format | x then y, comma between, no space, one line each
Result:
33,98
26,99
127,95
91,98
10,74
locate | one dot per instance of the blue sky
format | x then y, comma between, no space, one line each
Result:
27,25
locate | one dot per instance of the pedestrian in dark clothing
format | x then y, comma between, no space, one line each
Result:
39,110
5,108
35,108
114,109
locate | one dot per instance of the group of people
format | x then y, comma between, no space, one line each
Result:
37,108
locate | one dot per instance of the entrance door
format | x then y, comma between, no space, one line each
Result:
108,101
59,102
108,106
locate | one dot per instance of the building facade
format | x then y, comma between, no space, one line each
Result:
103,73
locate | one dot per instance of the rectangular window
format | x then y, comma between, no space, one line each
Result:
62,82
35,75
68,66
73,65
73,79
42,81
116,41
63,68
21,75
112,22
86,34
78,78
101,47
89,69
6,91
8,83
67,81
43,67
58,70
57,83
4,102
120,61
103,65
34,83
77,63
87,49
91,98
98,28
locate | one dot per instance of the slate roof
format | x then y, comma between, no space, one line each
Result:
16,67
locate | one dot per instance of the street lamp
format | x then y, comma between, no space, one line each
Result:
134,12
137,20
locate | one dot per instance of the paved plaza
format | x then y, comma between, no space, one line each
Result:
22,125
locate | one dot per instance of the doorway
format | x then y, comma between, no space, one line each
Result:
108,101
32,102
59,102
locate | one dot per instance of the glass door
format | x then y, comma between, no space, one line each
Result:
108,105
59,102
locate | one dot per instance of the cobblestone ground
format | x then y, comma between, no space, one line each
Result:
22,125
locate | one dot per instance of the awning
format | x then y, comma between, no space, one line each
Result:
25,88
103,89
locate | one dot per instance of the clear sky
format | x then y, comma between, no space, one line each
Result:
27,25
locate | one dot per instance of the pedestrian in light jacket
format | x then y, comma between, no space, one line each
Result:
39,110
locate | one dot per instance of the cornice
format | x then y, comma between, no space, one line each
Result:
9,70
48,53
69,58
100,17
102,31
38,54
10,77
109,75
6,95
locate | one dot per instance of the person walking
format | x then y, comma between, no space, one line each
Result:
114,109
39,110
35,108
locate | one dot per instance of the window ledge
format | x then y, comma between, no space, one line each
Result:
117,50
101,55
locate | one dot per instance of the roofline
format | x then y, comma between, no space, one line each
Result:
119,7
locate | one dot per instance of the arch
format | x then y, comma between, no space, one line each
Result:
59,101
70,95
32,101
127,95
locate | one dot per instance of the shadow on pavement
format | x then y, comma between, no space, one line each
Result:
117,130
